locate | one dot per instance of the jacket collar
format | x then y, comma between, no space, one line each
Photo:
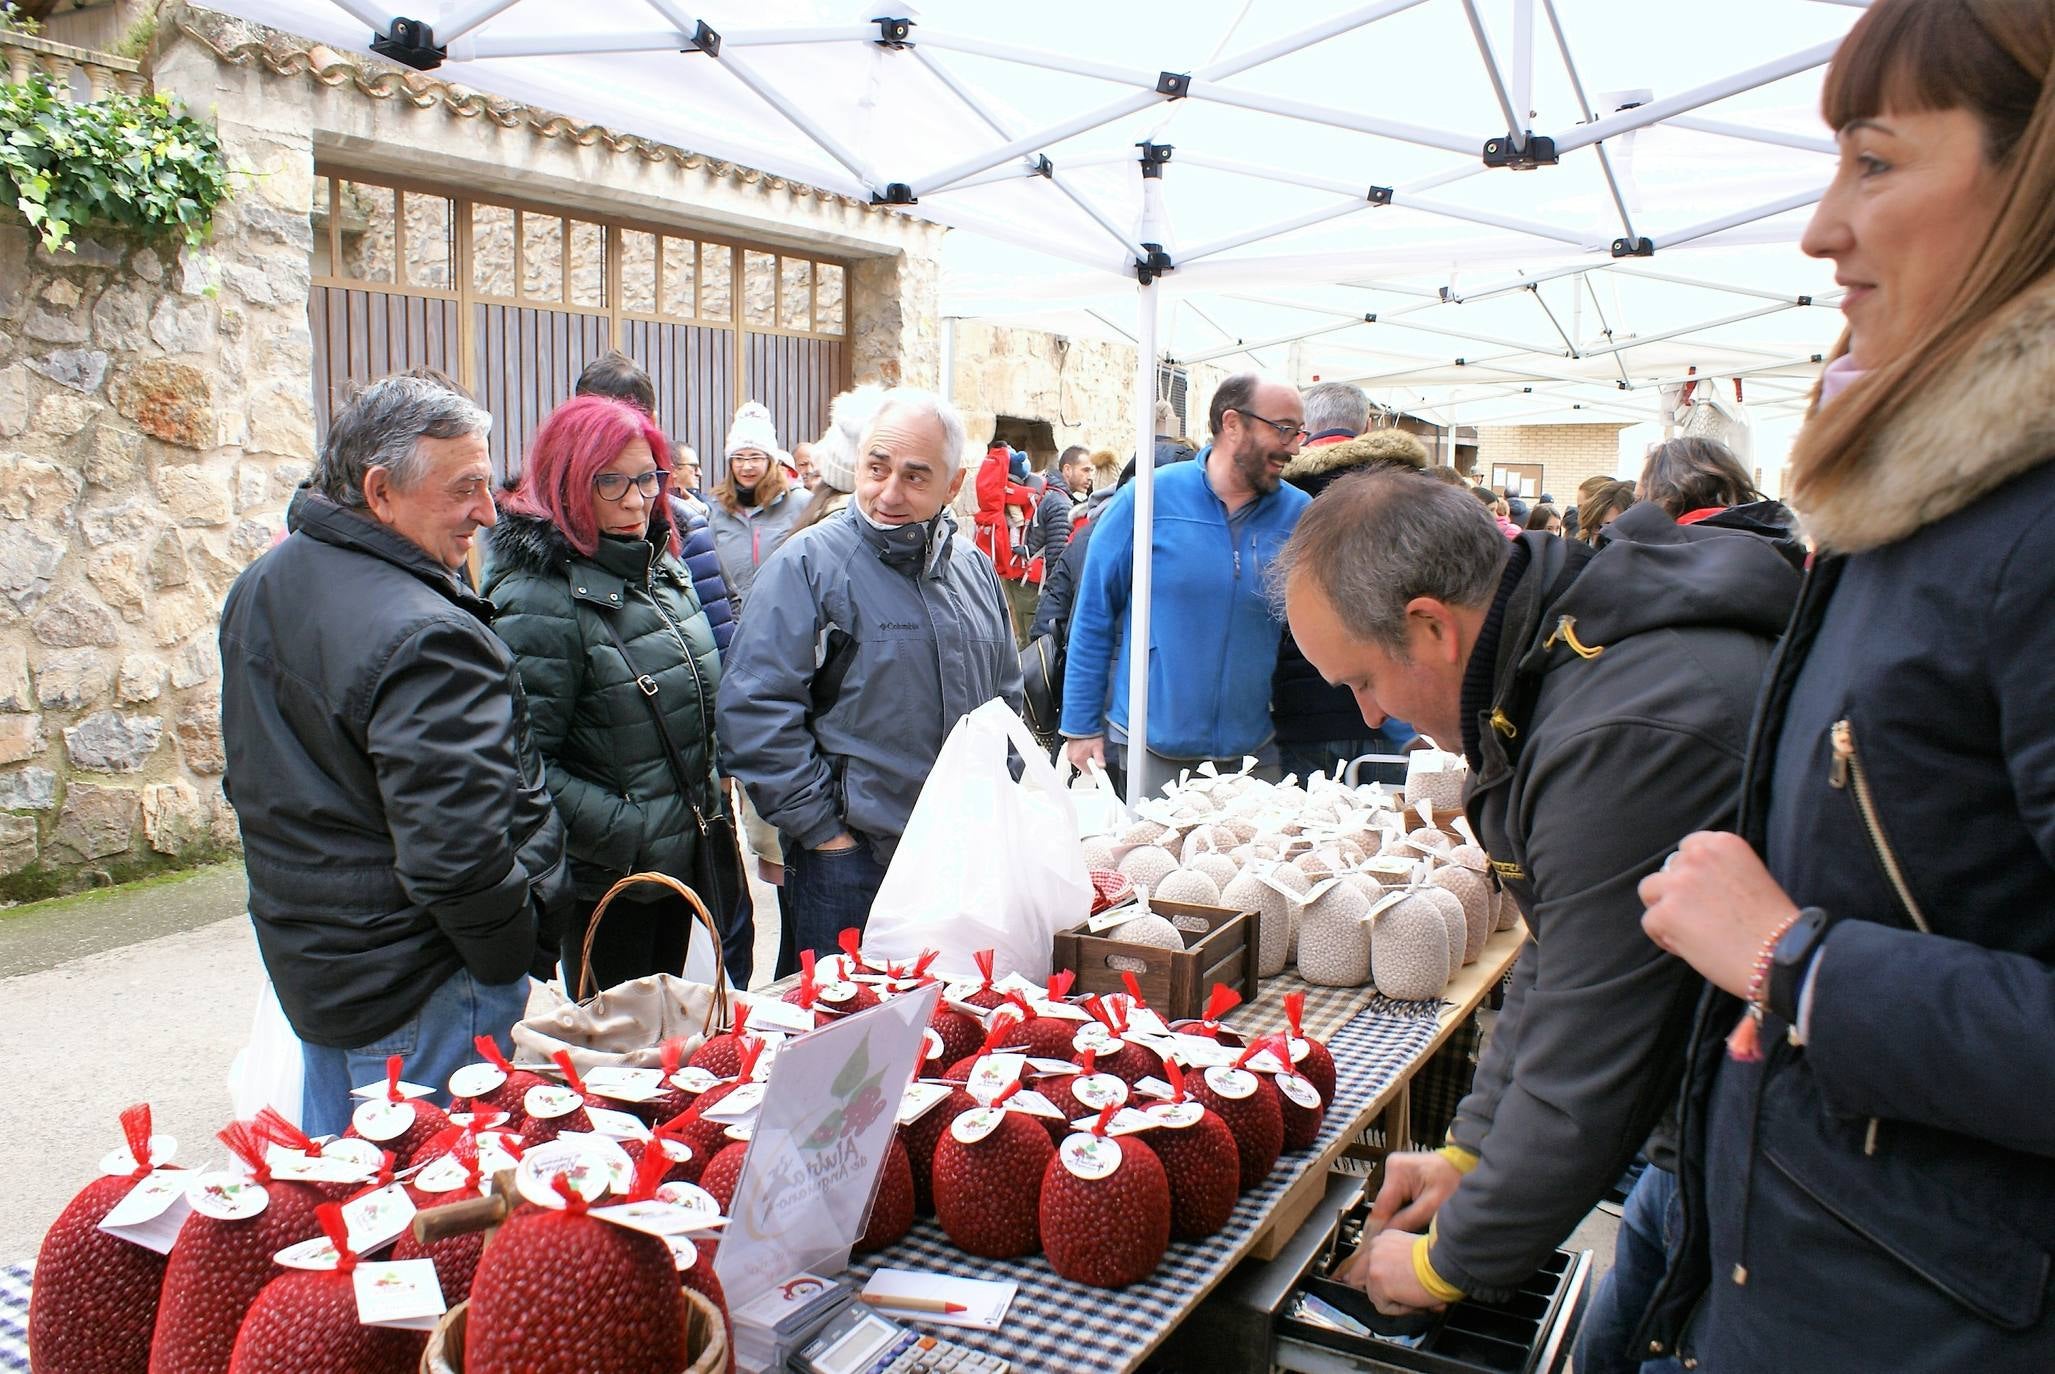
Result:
319,518
533,544
1977,428
908,548
1318,458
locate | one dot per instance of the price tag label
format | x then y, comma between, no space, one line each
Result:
974,1125
150,1213
1090,1157
1233,1084
624,1084
226,1197
398,1293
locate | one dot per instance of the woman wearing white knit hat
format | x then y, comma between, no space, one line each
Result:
754,507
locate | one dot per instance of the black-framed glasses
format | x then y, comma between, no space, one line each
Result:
1287,430
613,486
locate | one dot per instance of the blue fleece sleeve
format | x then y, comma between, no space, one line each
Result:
1095,626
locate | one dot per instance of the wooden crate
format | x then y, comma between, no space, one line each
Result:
1220,947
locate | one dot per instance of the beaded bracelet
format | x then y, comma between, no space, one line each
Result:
1744,1042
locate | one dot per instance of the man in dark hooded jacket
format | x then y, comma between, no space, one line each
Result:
1603,700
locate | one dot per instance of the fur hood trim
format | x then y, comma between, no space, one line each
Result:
530,544
1991,419
1377,446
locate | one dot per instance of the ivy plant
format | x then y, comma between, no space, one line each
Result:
138,163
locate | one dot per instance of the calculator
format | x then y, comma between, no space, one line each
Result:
859,1341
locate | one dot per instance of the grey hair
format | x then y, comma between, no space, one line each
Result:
382,427
922,402
1378,539
1336,405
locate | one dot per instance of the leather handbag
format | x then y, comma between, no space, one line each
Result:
627,1024
1041,686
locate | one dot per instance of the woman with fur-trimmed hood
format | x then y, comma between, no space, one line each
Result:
1867,1122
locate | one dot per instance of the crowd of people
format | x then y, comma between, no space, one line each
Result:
1715,748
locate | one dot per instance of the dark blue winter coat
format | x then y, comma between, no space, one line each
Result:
704,563
1886,1189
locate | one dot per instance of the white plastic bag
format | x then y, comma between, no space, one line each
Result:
986,862
1100,810
268,1071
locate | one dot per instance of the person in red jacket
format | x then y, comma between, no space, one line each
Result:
1004,509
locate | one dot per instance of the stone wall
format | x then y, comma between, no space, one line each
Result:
1083,388
1567,453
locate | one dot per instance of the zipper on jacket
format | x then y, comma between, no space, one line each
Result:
1847,774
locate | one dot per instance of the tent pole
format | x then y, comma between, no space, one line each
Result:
1523,62
1313,113
1304,38
1641,116
1516,122
1034,142
371,12
1605,161
1739,217
491,45
1144,540
1753,135
469,18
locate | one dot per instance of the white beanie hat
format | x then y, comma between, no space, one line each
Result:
834,454
753,429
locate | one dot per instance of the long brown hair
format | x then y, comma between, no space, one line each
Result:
1991,58
769,487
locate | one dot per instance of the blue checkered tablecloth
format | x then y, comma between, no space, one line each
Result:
1057,1325
14,1319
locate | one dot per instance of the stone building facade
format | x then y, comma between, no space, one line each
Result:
156,409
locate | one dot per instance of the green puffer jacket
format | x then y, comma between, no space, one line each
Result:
607,771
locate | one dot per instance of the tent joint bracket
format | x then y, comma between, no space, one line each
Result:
1379,195
411,43
1173,85
894,33
895,193
704,39
1640,246
1536,150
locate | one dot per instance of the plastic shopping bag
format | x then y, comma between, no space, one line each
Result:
267,1072
986,862
1100,810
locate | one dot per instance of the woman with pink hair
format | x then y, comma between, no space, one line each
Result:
619,668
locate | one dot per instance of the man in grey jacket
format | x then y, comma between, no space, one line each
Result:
1603,699
870,635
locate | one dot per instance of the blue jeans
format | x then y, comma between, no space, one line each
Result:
436,1041
1648,1227
828,893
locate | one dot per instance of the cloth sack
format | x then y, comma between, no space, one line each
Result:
986,862
627,1024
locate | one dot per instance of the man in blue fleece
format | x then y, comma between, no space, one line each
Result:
1212,634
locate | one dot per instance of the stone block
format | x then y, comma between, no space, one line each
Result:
250,538
80,252
250,483
169,401
286,477
55,326
15,693
17,843
21,737
81,369
195,497
71,679
169,565
63,414
61,293
197,662
183,325
40,492
28,789
117,574
129,522
74,620
14,400
121,318
96,823
177,616
145,263
109,742
199,271
28,560
281,422
115,457
199,734
174,817
142,678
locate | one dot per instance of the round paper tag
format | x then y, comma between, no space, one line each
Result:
1233,1084
694,1080
119,1163
226,1197
1097,1037
586,1170
550,1101
317,1254
1090,1156
363,1153
739,1131
383,1121
974,1125
1099,1091
1177,1115
475,1080
684,1254
677,1151
1300,1047
931,1042
691,1197
1299,1090
445,1174
486,1119
837,992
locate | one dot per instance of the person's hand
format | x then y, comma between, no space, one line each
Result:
1383,1269
843,841
1415,1186
1082,753
1713,904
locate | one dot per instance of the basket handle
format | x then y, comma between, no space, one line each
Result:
718,1012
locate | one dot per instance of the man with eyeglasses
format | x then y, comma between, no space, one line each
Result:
1213,633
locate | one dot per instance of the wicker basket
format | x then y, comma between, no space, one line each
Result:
705,1335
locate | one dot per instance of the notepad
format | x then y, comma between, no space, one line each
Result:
984,1302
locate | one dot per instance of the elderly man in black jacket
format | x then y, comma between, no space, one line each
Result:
1603,700
406,866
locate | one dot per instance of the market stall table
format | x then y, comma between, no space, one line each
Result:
1055,1324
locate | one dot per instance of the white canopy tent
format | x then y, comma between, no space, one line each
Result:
1485,211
